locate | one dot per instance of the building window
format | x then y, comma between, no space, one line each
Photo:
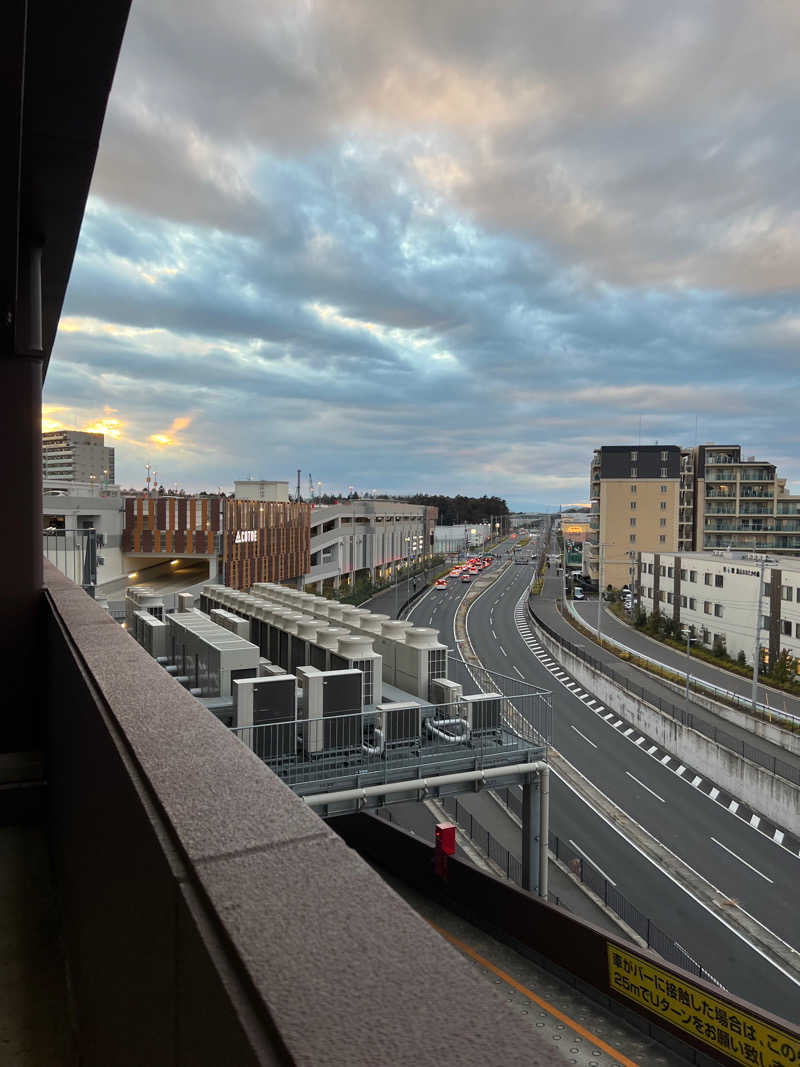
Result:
786,592
767,588
634,472
634,457
707,578
670,572
662,596
706,607
683,574
683,601
718,580
633,505
662,522
786,627
765,622
664,475
633,539
669,598
663,505
692,604
662,539
632,522
633,488
718,610
662,570
664,457
663,487
797,629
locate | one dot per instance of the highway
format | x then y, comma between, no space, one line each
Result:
744,865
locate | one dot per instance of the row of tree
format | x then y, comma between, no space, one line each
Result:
457,509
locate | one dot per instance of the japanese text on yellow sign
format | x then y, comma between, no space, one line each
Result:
736,1034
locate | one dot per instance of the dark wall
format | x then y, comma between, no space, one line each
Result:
616,462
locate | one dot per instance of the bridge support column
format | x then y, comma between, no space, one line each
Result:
535,832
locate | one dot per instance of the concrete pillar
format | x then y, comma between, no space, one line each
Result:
531,819
21,651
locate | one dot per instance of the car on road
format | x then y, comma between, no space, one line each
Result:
440,583
577,593
455,572
465,578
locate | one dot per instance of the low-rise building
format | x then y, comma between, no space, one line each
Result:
726,596
373,537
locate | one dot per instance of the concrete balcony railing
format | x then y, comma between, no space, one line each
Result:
209,916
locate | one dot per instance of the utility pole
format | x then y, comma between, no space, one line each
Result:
756,639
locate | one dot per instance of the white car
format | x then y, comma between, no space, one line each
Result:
577,593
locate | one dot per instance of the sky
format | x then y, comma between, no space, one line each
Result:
442,247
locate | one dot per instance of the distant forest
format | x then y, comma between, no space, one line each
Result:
457,509
452,509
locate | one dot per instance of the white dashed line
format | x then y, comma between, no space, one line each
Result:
519,672
647,787
696,780
494,635
777,837
754,821
628,732
503,651
733,806
665,760
639,741
652,749
585,738
680,770
714,793
739,858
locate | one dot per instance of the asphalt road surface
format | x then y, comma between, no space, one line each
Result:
743,864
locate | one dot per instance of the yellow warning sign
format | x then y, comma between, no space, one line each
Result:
743,1037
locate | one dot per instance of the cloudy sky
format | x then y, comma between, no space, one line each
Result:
448,246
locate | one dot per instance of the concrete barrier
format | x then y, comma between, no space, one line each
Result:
770,795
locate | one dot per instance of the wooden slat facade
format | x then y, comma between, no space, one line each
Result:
182,526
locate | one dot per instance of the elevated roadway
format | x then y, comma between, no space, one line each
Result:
750,871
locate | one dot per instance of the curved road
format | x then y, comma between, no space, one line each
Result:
743,864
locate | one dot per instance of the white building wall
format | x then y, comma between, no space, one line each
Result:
729,609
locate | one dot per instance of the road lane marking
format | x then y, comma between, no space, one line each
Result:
590,860
612,1052
680,770
778,837
754,821
665,760
652,749
585,738
714,793
519,672
696,780
647,787
503,651
494,635
739,858
733,806
639,741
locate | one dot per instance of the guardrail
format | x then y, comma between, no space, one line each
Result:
728,695
653,935
74,553
734,744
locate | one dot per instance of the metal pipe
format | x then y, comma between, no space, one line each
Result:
418,784
544,829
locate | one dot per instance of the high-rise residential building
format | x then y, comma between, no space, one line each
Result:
635,503
77,456
661,498
732,502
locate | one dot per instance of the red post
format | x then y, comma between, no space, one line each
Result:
445,846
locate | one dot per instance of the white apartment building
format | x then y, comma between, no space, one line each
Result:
77,456
726,595
370,536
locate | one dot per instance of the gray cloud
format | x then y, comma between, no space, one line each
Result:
437,247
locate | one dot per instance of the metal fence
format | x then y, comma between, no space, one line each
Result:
74,553
527,709
394,744
737,745
653,935
764,711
